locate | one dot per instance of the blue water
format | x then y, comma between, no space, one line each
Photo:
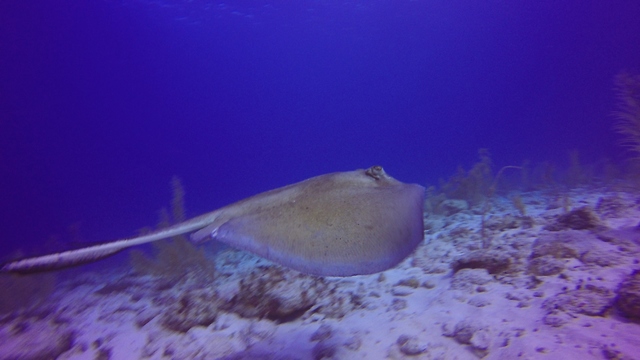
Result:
102,102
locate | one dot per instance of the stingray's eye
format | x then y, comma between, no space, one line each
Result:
375,172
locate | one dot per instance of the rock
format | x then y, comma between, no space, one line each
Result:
324,332
324,350
555,246
556,319
494,261
467,279
582,218
428,284
281,295
580,245
452,206
200,343
479,301
628,297
257,332
502,223
116,287
463,331
410,345
590,300
412,282
601,258
37,340
610,353
146,315
353,343
481,339
401,291
610,206
625,238
398,304
545,266
195,308
337,304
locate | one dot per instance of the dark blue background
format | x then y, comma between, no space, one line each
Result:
101,102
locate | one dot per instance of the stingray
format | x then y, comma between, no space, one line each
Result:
339,224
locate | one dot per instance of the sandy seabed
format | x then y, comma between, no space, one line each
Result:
557,282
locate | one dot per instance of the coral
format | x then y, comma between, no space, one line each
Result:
627,87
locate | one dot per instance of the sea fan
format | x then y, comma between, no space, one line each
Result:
627,87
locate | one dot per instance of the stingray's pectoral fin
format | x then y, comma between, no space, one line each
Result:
204,234
63,259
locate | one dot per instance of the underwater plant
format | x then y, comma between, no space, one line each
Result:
486,207
627,88
473,185
476,186
173,259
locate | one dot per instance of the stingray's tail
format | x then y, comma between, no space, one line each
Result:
92,253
